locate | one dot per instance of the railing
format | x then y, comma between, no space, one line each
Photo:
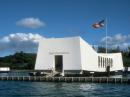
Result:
66,79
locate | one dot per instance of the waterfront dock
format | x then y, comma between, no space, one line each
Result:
66,79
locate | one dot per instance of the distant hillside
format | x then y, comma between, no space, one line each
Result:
19,60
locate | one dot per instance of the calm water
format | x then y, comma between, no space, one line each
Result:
46,89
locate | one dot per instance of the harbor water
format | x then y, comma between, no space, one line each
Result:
59,89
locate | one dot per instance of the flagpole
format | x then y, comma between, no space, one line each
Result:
106,34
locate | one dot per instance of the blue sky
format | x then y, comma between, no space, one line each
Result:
61,18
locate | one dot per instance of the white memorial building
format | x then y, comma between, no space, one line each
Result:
74,55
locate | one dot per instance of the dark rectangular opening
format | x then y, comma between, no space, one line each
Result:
59,63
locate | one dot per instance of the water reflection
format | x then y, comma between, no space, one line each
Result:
88,87
49,89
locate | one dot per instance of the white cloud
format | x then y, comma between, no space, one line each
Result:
27,42
30,23
118,40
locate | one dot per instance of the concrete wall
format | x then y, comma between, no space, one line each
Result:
117,60
69,48
89,57
77,55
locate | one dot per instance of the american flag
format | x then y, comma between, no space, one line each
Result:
98,24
